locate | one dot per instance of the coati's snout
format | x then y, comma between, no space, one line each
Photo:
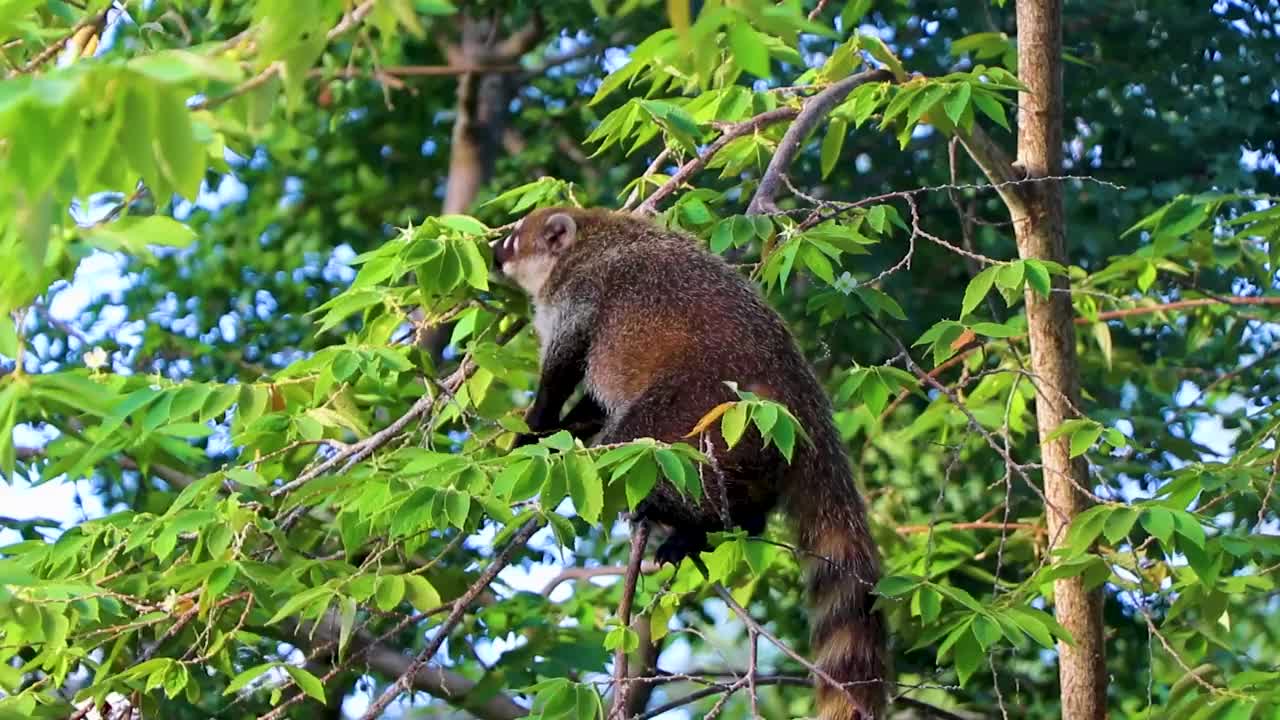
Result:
504,250
531,250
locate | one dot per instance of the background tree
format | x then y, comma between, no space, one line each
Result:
219,218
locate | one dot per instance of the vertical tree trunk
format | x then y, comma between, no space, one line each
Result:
481,114
480,120
1040,233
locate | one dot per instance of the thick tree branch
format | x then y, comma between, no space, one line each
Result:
814,110
995,164
731,133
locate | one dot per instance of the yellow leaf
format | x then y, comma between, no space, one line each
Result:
709,418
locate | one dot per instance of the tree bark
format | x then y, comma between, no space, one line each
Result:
481,111
1040,232
480,119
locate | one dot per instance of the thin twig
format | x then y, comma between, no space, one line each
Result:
357,452
760,630
964,353
405,681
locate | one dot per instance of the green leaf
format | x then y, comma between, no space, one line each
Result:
765,416
853,13
1159,522
977,289
420,593
346,621
1087,526
457,506
136,234
671,466
832,143
188,430
245,477
476,271
180,159
818,263
784,437
991,107
968,656
995,330
1037,277
749,50
243,679
389,593
1084,438
896,585
986,630
622,637
1119,523
930,604
309,683
8,337
957,100
585,487
1147,276
298,601
733,423
1186,525
174,67
1033,624
640,480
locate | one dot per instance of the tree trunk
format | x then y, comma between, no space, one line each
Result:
480,121
1040,233
481,114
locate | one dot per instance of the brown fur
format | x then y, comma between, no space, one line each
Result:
655,325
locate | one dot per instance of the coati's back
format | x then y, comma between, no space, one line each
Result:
668,324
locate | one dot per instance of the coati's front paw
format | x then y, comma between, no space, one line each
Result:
680,545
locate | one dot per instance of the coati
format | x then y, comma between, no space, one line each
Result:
656,325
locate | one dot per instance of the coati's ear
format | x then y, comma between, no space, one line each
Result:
559,232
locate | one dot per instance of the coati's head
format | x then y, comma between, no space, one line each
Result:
537,242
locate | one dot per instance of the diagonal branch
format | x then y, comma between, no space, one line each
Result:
995,164
405,681
731,133
815,108
356,452
434,680
96,21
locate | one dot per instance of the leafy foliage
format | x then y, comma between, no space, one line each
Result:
298,497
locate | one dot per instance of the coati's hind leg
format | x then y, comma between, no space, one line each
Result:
739,486
660,414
